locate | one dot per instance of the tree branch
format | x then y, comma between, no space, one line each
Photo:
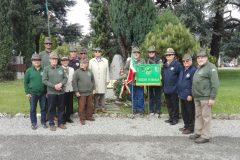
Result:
234,3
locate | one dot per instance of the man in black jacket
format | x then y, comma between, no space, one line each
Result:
154,91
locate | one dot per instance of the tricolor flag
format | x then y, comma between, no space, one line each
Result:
131,72
132,69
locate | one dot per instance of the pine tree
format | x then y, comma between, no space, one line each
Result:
168,32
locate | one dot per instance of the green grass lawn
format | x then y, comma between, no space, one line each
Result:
13,99
228,98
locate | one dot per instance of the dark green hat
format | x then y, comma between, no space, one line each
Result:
84,60
152,49
202,54
64,58
53,55
187,57
97,49
36,57
47,40
136,50
83,50
169,51
73,49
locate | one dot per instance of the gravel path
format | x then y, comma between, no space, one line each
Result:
151,126
107,138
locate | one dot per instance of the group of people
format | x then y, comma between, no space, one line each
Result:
53,83
194,88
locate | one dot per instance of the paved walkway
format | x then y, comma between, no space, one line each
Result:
116,138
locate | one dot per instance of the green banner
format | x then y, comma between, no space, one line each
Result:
148,75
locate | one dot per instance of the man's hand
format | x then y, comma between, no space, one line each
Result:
58,86
77,94
124,81
29,96
211,102
189,98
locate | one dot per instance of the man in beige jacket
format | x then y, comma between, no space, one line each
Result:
100,69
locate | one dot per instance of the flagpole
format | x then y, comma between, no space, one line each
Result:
132,97
132,81
148,99
47,18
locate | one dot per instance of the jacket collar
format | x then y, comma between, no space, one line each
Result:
57,66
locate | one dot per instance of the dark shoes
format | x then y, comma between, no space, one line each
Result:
62,126
194,136
34,126
53,128
187,131
44,126
182,129
174,122
69,120
168,121
201,140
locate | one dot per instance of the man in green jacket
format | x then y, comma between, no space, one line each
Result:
84,87
204,90
45,59
35,91
45,54
54,78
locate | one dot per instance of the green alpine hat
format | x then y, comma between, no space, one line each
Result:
152,49
202,54
169,51
187,57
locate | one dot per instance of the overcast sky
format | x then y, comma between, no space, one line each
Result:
80,13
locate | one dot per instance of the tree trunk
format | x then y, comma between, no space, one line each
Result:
123,47
218,29
37,37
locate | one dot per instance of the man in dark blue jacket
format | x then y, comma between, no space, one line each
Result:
185,94
171,70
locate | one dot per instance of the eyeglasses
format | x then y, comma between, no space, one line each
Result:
38,60
48,43
185,61
168,55
151,52
82,53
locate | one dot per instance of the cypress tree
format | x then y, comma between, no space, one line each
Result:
131,21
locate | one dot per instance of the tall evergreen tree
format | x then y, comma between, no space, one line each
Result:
101,34
131,21
5,36
22,28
